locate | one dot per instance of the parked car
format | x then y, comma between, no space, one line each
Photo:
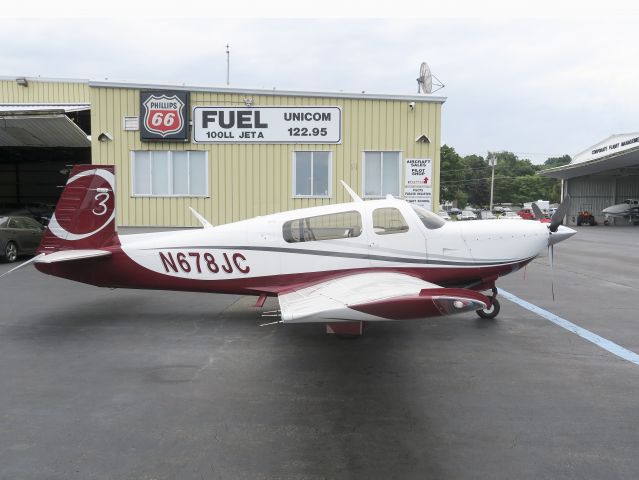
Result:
528,214
19,236
487,215
454,211
40,212
510,216
443,214
467,215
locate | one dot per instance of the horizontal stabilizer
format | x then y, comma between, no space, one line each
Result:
71,255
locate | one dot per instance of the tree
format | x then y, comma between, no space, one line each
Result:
553,162
477,184
452,176
467,179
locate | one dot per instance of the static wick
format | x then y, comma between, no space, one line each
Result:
271,323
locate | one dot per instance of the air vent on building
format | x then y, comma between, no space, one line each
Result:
131,123
422,138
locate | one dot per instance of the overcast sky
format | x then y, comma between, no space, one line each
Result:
538,87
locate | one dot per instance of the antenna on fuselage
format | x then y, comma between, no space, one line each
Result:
205,223
351,192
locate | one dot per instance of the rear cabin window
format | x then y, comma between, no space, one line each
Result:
387,221
323,227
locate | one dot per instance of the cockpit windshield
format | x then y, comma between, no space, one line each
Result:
429,219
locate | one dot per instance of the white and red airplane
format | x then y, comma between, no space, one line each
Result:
339,264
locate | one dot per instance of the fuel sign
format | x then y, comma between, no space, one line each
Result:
267,124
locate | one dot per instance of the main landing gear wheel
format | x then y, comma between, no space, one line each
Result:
491,312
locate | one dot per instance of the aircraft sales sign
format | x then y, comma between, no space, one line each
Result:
267,124
418,184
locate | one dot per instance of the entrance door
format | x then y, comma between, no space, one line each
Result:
394,240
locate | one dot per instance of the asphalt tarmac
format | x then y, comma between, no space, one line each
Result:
115,384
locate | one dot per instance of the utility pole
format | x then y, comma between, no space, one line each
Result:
228,64
492,161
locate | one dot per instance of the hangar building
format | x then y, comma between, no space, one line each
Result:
605,174
229,153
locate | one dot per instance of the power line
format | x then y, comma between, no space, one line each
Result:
501,177
464,169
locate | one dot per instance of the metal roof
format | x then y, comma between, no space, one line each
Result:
615,161
286,93
51,130
34,108
243,91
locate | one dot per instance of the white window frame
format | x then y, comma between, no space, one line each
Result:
330,173
399,168
170,174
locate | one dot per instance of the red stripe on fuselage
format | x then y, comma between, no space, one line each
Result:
119,271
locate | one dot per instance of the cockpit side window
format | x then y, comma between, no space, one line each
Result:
429,219
323,227
387,221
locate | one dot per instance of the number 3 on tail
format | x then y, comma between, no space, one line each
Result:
101,199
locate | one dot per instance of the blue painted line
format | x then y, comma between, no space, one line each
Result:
601,342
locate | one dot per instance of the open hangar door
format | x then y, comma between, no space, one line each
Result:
594,193
38,146
604,175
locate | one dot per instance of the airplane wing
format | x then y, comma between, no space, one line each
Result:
376,296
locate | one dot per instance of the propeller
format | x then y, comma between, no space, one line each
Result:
555,221
551,256
559,214
538,213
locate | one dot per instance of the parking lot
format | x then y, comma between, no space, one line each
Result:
116,384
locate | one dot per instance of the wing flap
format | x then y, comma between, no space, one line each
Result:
71,255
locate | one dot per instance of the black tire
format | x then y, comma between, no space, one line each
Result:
10,252
492,312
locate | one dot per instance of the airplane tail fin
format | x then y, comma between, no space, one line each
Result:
84,217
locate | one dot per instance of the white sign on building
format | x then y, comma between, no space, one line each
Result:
611,145
267,124
418,185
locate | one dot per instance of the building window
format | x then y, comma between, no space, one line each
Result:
170,173
311,174
382,174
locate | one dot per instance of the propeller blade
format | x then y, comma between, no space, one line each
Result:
538,213
559,215
551,255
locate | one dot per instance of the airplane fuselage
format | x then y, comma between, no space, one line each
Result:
260,255
629,209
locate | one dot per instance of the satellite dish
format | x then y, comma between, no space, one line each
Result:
425,81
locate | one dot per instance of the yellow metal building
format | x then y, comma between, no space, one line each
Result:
236,179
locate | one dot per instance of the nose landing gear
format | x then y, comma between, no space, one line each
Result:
493,310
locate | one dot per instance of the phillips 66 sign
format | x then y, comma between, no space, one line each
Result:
164,115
